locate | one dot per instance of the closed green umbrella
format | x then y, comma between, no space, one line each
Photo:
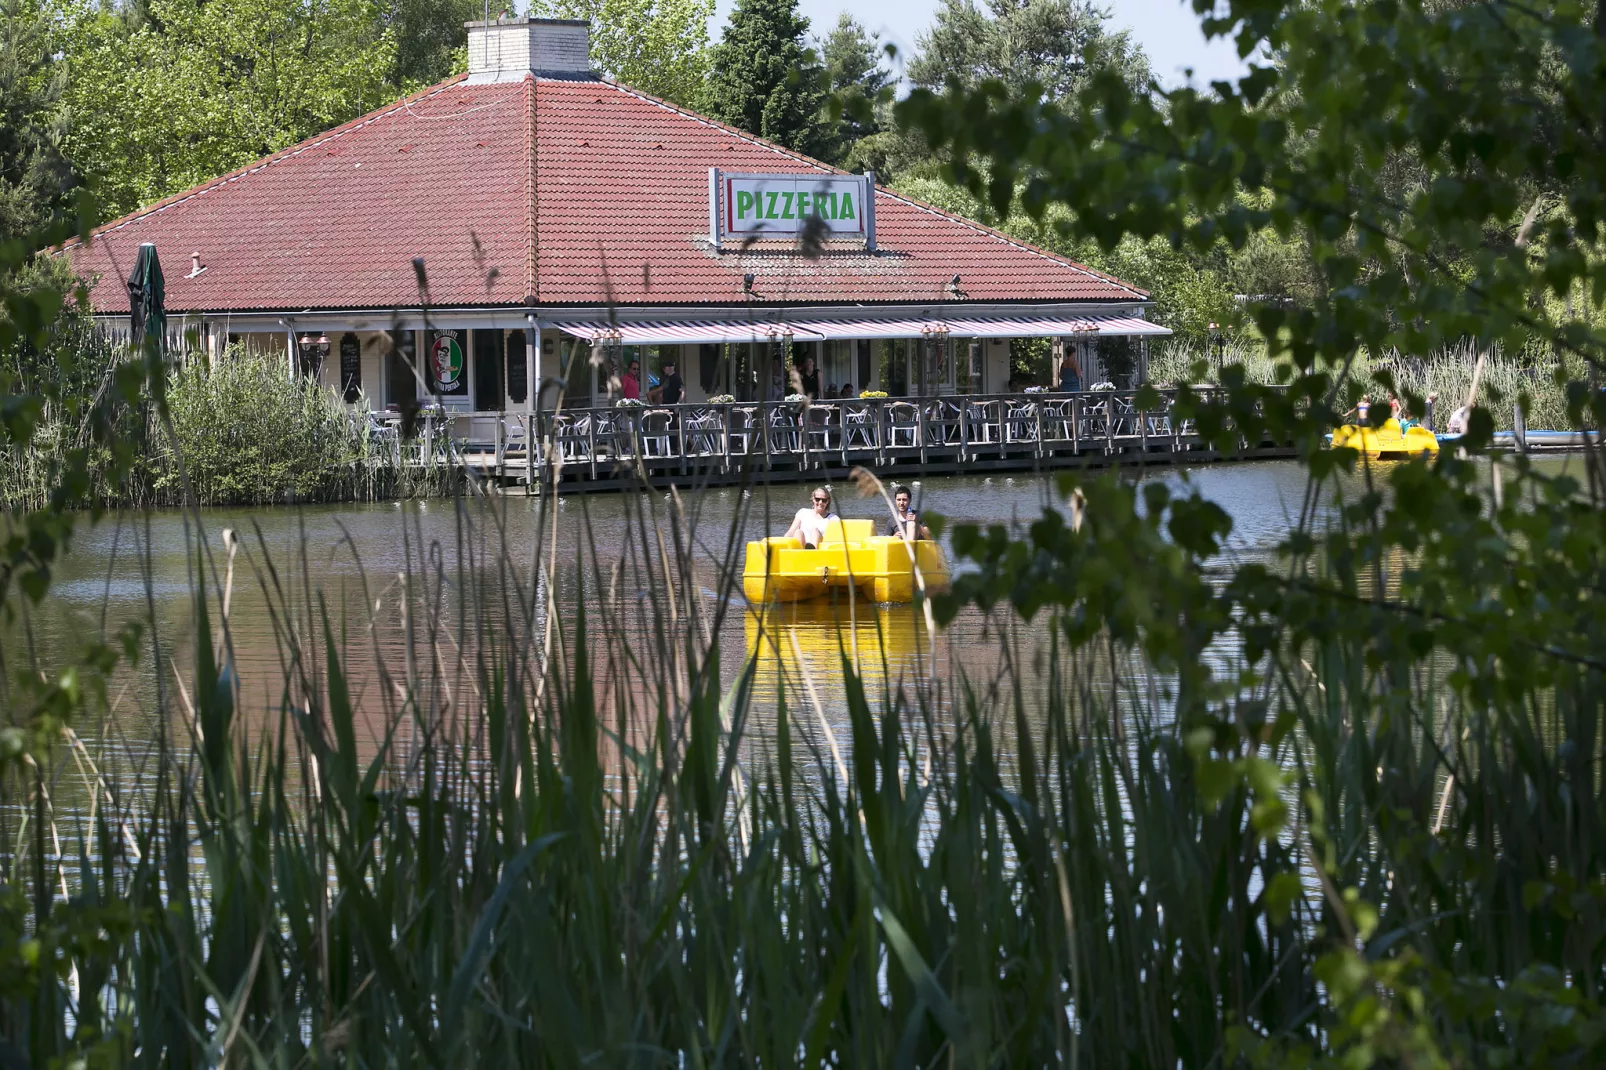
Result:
147,296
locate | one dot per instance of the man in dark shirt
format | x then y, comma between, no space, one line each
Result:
905,523
671,389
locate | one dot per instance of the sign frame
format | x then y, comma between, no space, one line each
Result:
721,203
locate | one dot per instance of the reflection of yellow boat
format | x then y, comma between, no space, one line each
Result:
1388,440
825,631
881,567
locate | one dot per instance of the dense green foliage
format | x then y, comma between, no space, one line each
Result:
431,42
1384,137
243,433
199,89
1055,44
764,78
857,75
657,46
35,176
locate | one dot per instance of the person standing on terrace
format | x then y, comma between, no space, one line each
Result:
630,383
1070,374
810,376
671,389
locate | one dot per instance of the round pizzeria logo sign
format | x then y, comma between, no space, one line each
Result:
446,356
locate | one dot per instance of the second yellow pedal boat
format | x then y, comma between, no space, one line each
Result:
1388,441
880,567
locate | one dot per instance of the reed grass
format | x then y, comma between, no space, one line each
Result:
248,435
565,837
1504,382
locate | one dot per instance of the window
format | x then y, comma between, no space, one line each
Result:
518,366
401,385
839,364
488,357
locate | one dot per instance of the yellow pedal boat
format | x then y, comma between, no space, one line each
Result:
850,555
1388,441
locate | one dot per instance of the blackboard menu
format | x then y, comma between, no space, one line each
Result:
350,366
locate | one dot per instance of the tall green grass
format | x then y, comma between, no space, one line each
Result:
240,432
1179,836
1505,380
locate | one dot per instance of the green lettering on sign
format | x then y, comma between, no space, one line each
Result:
744,203
847,207
769,206
786,206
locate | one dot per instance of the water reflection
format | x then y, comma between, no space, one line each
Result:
805,644
383,568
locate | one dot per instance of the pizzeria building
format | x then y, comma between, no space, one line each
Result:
527,229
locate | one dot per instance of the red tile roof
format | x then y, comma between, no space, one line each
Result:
614,208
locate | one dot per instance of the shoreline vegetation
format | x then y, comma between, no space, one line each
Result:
242,431
541,840
250,433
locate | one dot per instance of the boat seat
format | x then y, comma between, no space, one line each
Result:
847,531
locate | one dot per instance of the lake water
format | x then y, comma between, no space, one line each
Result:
427,589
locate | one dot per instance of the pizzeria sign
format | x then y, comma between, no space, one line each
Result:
742,205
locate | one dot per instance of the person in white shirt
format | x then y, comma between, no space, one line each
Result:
809,523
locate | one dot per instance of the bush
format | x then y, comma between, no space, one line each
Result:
246,434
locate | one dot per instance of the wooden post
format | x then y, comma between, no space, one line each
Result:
501,446
530,426
764,416
591,443
725,432
880,432
680,427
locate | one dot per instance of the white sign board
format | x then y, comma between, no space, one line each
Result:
779,206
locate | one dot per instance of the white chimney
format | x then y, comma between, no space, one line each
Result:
505,50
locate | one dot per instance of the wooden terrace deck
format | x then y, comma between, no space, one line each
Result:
597,448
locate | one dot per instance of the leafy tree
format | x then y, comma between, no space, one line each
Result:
1055,44
199,89
431,39
1190,290
765,80
656,46
1441,167
855,73
35,177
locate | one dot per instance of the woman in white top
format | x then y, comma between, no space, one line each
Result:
809,523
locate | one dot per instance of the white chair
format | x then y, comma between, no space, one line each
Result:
858,426
657,439
903,424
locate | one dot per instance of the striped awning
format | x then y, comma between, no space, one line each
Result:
985,327
689,332
686,332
